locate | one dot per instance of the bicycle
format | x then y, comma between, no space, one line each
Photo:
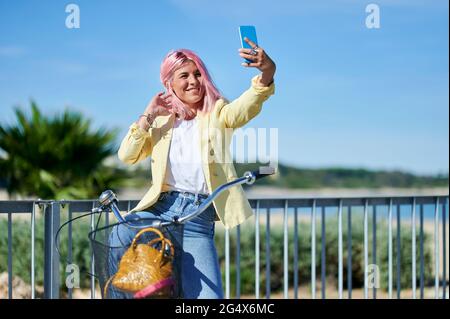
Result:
102,251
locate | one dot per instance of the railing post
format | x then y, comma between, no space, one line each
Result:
295,253
349,252
51,263
374,246
92,257
238,261
413,247
227,264
268,287
313,250
70,248
421,258
285,251
257,251
323,254
366,248
10,276
390,271
444,250
340,252
399,251
33,268
436,249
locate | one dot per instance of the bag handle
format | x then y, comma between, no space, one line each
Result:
161,238
146,230
163,241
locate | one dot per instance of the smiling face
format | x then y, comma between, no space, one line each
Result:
187,85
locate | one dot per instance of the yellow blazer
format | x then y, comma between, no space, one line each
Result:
215,130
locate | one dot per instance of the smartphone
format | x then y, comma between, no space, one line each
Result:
249,32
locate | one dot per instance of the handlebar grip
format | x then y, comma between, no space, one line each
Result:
261,172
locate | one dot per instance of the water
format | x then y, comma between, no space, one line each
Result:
382,212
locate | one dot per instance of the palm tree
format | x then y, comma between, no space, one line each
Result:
56,157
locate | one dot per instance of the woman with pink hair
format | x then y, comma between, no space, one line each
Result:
186,133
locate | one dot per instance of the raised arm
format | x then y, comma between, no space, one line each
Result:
241,110
137,144
248,105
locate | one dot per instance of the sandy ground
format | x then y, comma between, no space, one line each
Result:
303,292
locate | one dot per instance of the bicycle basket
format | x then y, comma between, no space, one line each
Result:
140,267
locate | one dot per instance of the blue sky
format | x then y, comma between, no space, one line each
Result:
346,95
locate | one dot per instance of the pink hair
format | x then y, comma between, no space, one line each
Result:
173,61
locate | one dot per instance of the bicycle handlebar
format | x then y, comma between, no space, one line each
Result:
108,199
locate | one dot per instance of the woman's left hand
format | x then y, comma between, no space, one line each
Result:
261,61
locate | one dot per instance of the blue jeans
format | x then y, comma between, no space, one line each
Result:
196,265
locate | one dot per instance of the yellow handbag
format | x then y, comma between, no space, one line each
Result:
145,270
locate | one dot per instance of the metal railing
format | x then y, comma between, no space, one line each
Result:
279,213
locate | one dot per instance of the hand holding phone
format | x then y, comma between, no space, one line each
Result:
249,32
255,56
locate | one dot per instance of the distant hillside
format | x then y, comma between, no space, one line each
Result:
291,177
300,178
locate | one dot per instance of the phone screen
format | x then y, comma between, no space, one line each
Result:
247,31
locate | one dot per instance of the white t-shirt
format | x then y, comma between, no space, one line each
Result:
184,167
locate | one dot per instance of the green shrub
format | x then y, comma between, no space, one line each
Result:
247,257
21,249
